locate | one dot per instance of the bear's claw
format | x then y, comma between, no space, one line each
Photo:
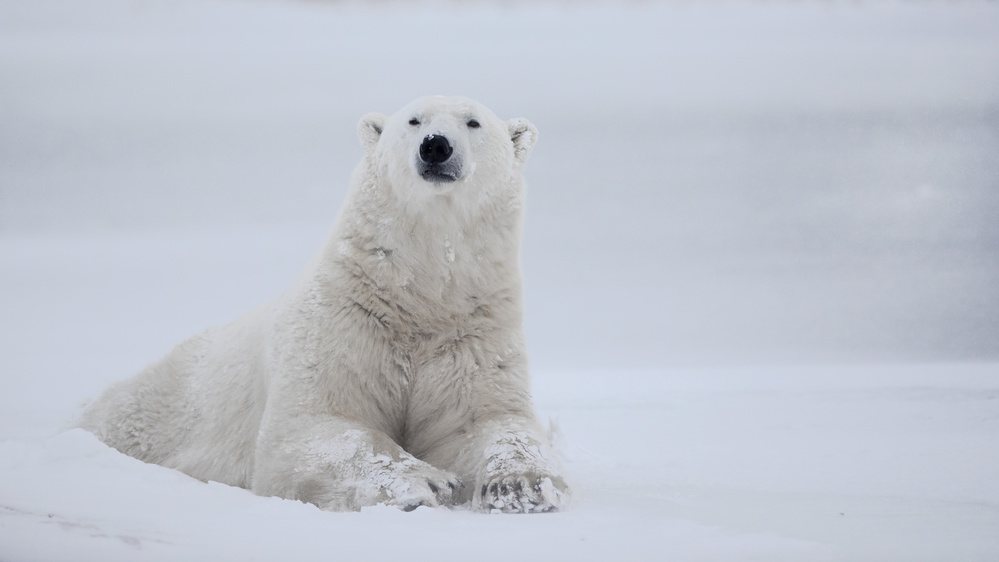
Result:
522,494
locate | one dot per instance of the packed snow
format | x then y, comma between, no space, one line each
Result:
761,258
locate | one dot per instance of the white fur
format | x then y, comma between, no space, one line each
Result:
394,370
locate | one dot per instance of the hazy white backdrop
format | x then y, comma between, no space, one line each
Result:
719,187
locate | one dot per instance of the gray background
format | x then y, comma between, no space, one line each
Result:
733,183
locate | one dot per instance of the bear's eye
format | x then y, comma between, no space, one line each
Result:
414,121
473,124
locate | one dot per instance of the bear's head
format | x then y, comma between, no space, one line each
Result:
445,145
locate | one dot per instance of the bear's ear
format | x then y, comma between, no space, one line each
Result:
524,135
369,130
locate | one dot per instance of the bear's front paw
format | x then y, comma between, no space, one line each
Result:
429,487
410,483
522,493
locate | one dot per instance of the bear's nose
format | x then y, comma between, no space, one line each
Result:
435,149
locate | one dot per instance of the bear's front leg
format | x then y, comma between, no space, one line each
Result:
514,469
340,465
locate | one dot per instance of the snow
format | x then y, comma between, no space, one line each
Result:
833,463
760,261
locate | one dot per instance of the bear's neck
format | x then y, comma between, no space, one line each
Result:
441,258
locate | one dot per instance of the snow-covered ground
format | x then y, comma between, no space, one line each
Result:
718,188
886,463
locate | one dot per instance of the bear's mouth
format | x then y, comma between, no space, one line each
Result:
440,173
438,176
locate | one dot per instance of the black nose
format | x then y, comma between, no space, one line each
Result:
435,149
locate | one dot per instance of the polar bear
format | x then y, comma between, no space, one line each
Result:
394,370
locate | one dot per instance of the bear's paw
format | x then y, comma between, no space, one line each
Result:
522,493
411,483
436,488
